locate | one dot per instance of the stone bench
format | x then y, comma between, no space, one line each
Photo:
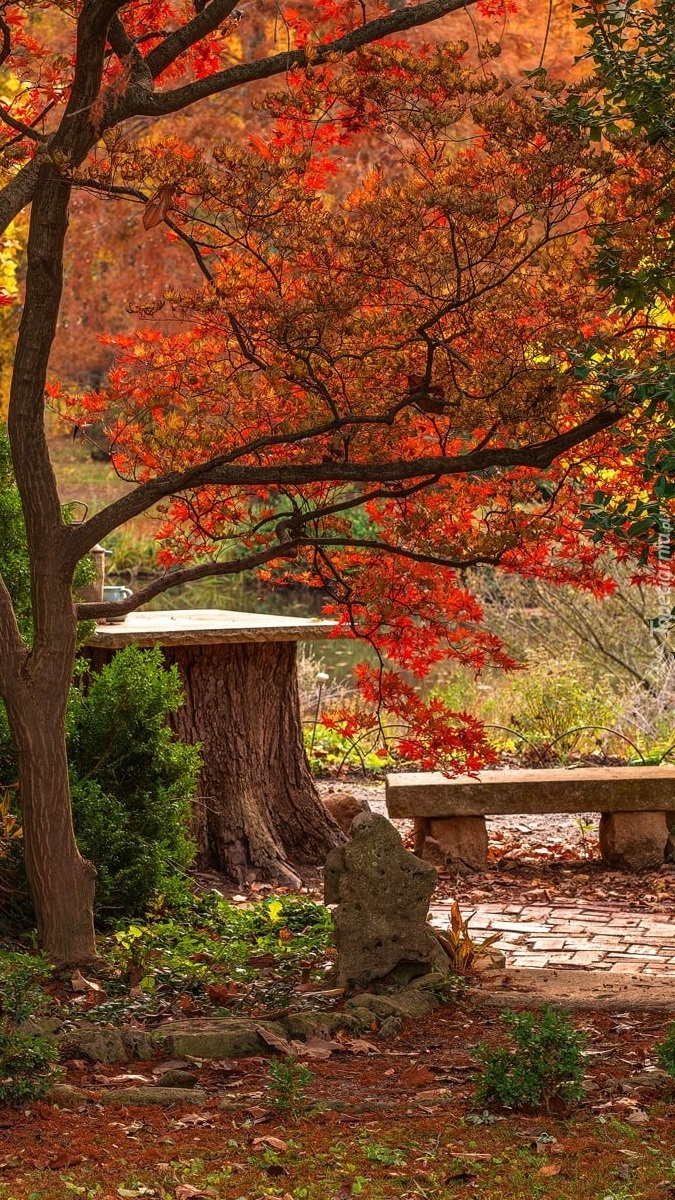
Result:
636,804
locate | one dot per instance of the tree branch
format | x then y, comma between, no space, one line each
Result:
21,127
538,456
16,194
207,21
91,610
126,50
162,103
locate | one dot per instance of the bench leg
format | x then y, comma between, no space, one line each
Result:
635,841
458,843
420,831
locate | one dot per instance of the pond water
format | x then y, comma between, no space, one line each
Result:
338,656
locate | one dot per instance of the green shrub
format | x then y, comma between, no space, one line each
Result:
132,781
288,1084
665,1051
542,1068
26,1058
551,698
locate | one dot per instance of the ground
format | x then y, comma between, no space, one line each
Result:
397,1117
405,1126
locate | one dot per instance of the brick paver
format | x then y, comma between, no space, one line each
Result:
601,938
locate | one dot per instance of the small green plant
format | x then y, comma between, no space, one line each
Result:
26,1058
541,1069
665,1051
385,1155
288,1083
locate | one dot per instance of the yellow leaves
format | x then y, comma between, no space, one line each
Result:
10,829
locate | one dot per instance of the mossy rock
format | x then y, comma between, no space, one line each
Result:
224,1037
110,1045
162,1097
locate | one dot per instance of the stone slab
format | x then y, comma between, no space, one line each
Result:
206,626
558,790
527,987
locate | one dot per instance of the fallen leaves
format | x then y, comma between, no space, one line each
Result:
274,1143
79,984
275,1040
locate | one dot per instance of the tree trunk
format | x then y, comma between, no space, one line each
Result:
60,880
258,812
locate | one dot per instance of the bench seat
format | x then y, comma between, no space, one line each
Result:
636,804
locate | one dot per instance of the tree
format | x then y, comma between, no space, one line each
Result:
371,392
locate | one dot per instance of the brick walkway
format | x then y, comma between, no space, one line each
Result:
599,938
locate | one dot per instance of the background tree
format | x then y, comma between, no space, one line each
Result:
431,350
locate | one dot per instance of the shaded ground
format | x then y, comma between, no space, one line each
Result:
405,1127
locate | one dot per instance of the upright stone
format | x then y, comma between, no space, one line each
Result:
382,893
635,841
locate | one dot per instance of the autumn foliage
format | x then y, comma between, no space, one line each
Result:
444,311
432,329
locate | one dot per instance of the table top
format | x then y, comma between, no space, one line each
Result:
206,626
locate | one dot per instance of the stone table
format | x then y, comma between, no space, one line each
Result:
258,811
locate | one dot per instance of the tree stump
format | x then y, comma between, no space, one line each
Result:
258,813
258,810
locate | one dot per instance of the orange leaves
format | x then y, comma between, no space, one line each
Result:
374,357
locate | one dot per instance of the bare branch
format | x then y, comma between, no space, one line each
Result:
162,103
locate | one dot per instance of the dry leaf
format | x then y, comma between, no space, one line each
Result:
187,1192
637,1117
275,1041
172,1064
222,994
316,1047
357,1046
194,1118
79,984
158,206
550,1169
274,1143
